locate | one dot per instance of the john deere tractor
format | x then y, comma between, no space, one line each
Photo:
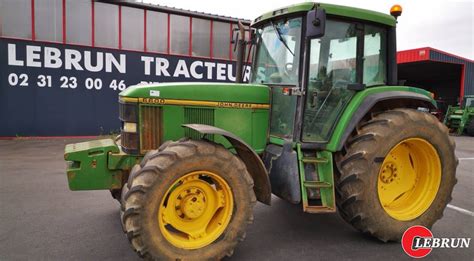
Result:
323,123
460,119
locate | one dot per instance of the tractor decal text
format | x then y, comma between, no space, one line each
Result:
219,104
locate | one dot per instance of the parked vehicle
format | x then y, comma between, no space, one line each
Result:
460,119
323,123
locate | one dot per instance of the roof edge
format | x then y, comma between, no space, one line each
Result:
331,9
177,11
429,49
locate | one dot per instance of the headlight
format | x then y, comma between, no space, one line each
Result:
130,127
128,112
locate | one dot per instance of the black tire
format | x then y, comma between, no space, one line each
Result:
358,168
149,182
470,128
117,193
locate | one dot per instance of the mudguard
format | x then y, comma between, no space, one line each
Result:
252,161
416,99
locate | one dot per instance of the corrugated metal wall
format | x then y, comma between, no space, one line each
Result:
437,55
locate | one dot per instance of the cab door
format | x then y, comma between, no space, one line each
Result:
332,69
349,57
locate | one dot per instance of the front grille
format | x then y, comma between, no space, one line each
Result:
150,135
198,116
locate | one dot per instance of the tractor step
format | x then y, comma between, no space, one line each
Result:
319,209
317,184
323,182
314,160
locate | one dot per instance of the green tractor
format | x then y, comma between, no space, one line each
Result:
460,119
323,123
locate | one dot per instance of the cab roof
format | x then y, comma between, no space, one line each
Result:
336,10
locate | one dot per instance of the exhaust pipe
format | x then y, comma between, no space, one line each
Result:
241,45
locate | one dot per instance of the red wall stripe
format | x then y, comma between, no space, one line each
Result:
168,47
463,79
33,33
45,137
190,36
93,23
64,21
211,45
120,27
144,30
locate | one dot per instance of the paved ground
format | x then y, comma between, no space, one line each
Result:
41,219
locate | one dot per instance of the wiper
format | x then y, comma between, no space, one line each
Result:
278,33
376,85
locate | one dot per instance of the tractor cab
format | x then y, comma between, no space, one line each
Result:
315,61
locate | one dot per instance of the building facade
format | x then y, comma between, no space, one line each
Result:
63,62
449,77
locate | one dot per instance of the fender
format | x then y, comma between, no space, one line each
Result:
252,161
397,99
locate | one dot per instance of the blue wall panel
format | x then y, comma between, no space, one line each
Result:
81,85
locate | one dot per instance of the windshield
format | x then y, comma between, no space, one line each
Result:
278,52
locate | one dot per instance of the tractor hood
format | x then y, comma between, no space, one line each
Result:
223,92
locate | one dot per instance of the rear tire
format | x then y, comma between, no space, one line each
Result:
151,188
360,172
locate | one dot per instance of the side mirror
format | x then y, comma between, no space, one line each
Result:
315,23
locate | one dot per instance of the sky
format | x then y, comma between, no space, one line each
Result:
447,25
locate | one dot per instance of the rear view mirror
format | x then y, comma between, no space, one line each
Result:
315,23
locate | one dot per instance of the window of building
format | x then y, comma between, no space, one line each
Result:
78,22
156,32
15,18
220,40
106,25
132,28
179,34
48,20
201,37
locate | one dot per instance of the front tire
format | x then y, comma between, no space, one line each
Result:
191,200
398,171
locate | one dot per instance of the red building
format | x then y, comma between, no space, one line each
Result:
448,76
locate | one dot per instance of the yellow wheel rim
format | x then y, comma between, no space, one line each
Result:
196,210
409,179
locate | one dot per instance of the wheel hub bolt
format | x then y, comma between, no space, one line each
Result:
389,172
